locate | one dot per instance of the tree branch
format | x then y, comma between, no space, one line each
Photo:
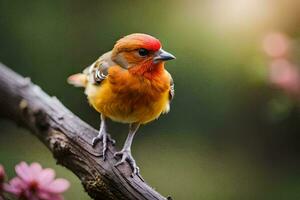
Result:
69,139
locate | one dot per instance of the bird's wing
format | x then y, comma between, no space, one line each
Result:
172,90
98,71
172,87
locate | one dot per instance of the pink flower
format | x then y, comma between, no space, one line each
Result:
35,183
2,174
285,75
2,177
276,44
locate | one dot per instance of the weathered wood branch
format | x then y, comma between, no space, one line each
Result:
69,139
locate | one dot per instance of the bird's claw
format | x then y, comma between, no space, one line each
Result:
104,137
96,140
100,137
126,156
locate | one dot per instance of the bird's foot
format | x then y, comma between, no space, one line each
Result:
104,137
126,156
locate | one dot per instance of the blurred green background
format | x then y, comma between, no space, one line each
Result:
231,133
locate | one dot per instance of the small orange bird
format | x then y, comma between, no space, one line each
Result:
128,84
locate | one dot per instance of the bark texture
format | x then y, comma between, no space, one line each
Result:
69,139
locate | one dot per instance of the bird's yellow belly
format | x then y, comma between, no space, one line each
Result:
128,103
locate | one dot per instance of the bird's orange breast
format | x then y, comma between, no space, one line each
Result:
128,97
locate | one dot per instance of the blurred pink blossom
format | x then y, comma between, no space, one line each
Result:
34,183
285,75
2,177
276,44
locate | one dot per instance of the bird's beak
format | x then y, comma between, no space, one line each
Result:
162,55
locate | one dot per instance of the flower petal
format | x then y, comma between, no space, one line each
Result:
35,169
57,186
44,195
10,189
2,174
24,172
28,194
49,196
46,176
56,197
31,195
15,186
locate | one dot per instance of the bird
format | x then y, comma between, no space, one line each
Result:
130,85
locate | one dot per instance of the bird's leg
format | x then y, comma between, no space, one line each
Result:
125,153
103,136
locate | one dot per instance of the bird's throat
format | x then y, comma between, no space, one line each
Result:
148,69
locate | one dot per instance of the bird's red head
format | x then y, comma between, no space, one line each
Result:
139,52
137,40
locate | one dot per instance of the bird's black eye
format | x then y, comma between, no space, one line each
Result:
143,52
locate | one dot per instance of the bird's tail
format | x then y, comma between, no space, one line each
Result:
78,80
